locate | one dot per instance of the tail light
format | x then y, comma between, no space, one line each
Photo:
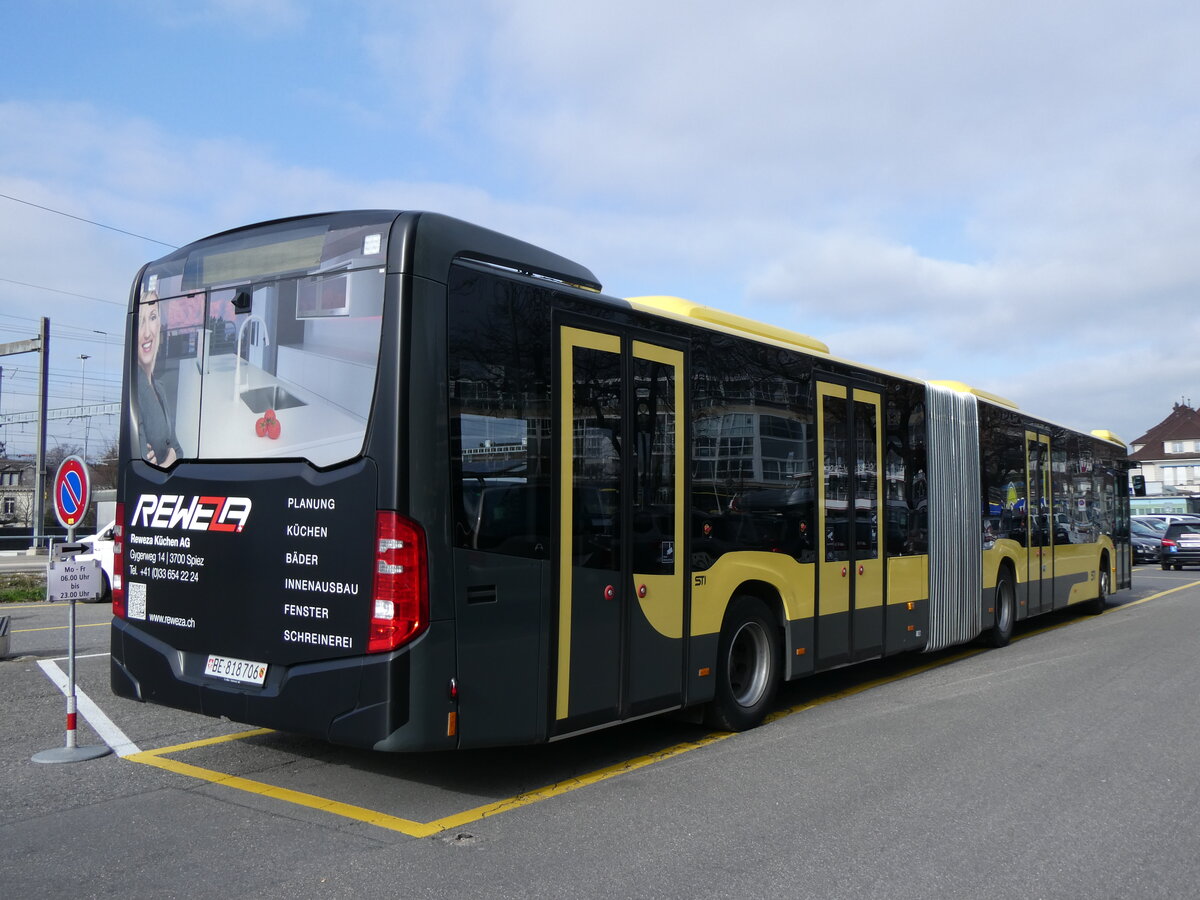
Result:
118,574
1167,542
400,598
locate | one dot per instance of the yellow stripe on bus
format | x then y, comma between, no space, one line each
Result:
570,338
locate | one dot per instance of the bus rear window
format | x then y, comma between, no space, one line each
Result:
275,366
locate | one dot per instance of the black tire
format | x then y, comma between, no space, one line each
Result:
748,666
1005,604
1166,567
1178,567
1100,603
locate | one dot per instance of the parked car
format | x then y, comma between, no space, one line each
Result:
1180,545
1150,528
102,549
1161,521
1146,540
1155,522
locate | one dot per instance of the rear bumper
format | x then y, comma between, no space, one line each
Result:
364,701
1180,558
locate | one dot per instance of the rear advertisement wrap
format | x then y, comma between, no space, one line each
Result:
276,570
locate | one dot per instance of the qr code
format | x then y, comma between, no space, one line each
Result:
136,607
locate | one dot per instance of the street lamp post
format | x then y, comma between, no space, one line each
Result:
83,358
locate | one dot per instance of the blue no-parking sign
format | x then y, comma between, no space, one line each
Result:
72,488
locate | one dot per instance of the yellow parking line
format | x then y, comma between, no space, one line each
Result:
207,742
413,828
1182,587
456,820
571,784
60,627
345,810
158,759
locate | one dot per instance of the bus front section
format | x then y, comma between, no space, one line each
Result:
265,569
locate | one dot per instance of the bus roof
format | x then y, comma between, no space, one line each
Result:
680,307
720,320
419,243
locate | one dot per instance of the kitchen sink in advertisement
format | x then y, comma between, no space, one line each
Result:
271,570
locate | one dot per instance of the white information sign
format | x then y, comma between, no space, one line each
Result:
72,580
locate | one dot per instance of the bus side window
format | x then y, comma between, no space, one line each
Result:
507,521
498,362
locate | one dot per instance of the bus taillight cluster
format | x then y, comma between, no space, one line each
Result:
118,573
400,599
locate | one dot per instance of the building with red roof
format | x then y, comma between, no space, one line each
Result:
1169,454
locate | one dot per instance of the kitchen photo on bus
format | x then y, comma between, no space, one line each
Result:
284,366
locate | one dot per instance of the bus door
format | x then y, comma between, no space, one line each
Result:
621,469
1040,528
850,581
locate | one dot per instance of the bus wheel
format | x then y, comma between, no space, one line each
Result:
747,666
1006,612
1101,602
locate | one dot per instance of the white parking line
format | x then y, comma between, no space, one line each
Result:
104,726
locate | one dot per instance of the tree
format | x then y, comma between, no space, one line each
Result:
57,454
103,468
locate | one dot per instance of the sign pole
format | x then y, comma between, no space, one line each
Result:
71,708
72,489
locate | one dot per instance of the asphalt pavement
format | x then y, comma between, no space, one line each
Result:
1062,766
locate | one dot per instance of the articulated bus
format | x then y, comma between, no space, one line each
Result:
400,482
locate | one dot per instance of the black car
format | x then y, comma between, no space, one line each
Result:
1180,545
1146,541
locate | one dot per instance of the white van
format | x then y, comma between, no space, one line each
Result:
102,549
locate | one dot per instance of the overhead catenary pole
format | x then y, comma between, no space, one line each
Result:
87,422
39,491
40,345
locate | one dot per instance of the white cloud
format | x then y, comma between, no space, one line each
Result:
1002,194
771,104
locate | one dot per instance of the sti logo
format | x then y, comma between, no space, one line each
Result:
171,511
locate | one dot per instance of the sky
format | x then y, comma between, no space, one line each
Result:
999,194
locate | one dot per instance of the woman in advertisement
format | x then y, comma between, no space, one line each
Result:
156,426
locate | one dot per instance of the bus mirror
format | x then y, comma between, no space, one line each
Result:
241,302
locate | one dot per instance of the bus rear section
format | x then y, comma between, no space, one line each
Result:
267,573
284,556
